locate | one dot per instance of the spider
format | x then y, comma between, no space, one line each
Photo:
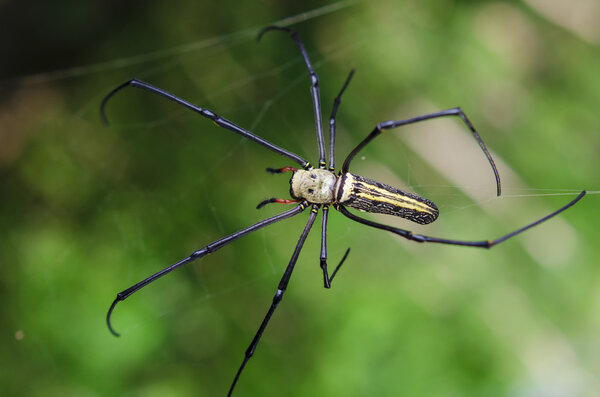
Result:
319,188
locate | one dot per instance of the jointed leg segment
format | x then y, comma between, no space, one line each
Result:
481,244
332,121
388,125
327,279
218,120
314,88
209,249
281,288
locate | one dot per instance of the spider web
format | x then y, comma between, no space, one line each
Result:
163,181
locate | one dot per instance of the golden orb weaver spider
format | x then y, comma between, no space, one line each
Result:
319,188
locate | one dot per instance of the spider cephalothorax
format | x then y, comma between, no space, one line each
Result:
317,186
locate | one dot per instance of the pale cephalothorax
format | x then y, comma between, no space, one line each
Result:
315,186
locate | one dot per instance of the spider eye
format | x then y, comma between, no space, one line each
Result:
310,191
313,176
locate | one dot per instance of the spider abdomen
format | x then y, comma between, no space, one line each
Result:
368,195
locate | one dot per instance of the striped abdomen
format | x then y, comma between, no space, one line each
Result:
371,196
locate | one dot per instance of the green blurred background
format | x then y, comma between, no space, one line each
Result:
86,211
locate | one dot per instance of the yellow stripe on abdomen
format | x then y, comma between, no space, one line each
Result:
371,196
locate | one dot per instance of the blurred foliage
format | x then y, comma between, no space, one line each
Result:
87,211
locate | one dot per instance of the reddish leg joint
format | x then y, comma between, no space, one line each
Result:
281,170
285,201
275,200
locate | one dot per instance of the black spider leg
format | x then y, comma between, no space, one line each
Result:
327,279
209,249
283,283
314,88
332,122
218,120
332,129
481,244
387,125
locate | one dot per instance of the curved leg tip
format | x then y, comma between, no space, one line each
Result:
110,310
264,202
263,31
103,118
269,28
